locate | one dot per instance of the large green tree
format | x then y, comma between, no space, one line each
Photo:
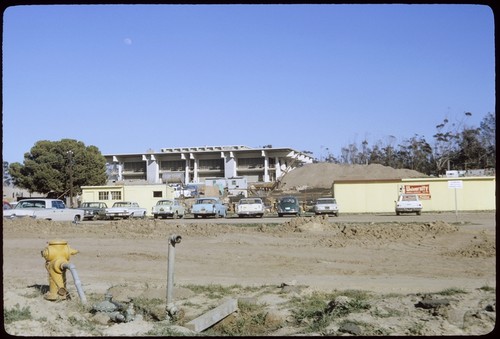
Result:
57,167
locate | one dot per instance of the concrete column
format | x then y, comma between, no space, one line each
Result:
152,169
186,168
266,167
229,164
195,167
277,167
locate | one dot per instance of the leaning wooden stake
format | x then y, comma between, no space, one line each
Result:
213,316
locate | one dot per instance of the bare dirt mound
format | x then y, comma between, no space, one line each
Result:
322,175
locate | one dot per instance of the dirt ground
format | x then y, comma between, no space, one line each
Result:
270,261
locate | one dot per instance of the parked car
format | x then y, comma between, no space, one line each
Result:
48,209
168,208
408,203
94,210
288,205
125,210
326,206
251,207
7,205
209,206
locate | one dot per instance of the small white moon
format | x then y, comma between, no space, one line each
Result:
127,41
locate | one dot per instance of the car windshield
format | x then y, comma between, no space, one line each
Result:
326,201
121,204
288,201
206,201
164,202
249,201
408,198
92,204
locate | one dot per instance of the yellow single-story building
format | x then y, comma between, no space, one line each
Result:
436,194
145,195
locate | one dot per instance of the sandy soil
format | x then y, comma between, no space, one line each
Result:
399,262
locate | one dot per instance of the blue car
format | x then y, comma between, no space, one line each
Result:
209,207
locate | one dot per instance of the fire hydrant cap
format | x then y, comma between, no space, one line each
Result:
58,242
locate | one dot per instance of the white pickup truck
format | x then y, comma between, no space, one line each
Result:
408,203
125,210
47,209
252,207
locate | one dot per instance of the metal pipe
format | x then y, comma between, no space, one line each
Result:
174,239
76,279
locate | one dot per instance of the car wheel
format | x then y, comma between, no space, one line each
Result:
76,218
155,216
418,213
280,215
196,216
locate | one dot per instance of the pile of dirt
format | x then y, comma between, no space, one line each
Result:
322,175
478,247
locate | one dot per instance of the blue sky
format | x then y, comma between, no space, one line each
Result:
129,78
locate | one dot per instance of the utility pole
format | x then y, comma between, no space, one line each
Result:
70,170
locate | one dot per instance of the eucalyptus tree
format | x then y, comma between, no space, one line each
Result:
446,146
488,139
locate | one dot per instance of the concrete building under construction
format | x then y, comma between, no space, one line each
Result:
195,164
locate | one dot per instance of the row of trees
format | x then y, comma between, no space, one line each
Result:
62,167
456,146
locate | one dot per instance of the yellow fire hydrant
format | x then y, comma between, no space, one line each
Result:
56,255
